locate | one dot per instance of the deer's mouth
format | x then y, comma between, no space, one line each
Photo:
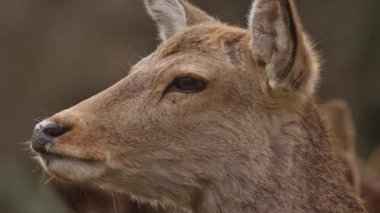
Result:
69,167
51,156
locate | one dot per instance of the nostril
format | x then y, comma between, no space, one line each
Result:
45,132
53,129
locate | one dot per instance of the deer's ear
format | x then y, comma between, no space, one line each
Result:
173,16
279,44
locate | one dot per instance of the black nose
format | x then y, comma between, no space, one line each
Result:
45,132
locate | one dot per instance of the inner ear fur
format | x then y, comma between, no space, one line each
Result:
173,16
280,45
194,15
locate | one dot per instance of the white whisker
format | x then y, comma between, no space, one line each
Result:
114,203
36,170
50,179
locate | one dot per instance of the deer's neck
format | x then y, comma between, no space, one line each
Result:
296,173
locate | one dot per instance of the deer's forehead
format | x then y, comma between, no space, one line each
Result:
201,49
203,39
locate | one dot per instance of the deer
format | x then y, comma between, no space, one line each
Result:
88,199
338,113
362,175
85,198
217,119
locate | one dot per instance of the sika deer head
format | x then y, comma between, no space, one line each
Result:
202,110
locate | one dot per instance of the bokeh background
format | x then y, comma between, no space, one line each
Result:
54,54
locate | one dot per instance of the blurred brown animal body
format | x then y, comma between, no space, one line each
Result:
363,176
339,116
217,119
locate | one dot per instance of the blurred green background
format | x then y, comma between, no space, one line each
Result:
54,54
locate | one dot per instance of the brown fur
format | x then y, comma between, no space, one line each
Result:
363,176
84,198
370,181
339,115
370,188
252,141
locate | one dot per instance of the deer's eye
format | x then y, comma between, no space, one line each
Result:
187,84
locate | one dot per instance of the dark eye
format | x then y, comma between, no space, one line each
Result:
187,84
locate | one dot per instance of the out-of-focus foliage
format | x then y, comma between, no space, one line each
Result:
55,53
